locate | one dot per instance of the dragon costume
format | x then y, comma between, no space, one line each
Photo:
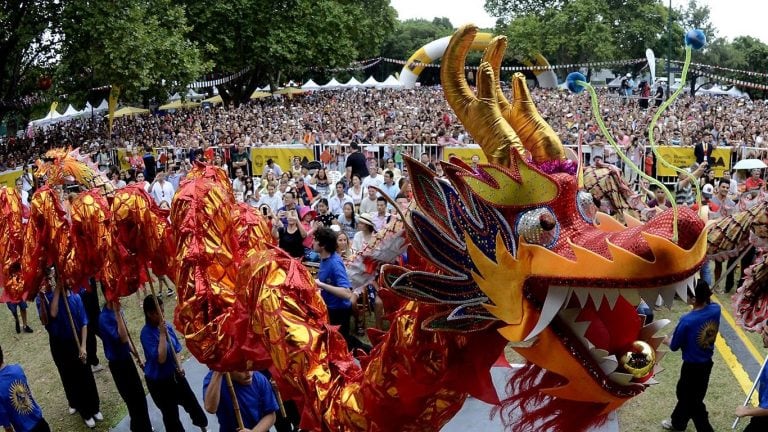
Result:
510,253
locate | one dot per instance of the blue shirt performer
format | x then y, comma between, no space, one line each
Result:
165,379
117,350
257,402
18,409
68,348
759,414
695,335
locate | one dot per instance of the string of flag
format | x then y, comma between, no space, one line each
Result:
354,66
568,66
736,82
219,81
722,68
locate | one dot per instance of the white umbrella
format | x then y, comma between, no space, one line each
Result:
749,164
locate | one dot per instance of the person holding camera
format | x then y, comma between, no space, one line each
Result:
289,234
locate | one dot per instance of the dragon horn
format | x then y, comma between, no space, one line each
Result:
536,135
480,114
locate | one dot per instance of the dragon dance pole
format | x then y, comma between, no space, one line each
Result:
732,267
162,317
235,403
130,342
59,285
749,396
278,396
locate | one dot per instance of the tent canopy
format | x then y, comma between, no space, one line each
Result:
353,83
332,84
259,94
371,82
310,85
390,83
213,100
129,111
179,105
290,91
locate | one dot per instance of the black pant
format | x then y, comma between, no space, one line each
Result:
691,389
76,377
91,304
131,390
341,317
168,394
745,263
289,423
41,426
757,424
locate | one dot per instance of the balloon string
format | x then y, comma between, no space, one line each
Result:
627,160
655,119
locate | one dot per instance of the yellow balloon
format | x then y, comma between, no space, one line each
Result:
639,360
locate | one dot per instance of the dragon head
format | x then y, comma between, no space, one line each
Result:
516,244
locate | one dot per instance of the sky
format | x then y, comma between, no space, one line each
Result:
731,17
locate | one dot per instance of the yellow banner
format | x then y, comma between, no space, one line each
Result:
683,157
464,153
8,178
280,155
114,93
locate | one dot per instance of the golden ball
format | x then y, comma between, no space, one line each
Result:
639,360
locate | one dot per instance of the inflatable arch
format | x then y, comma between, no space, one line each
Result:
435,49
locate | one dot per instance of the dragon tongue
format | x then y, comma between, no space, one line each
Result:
557,296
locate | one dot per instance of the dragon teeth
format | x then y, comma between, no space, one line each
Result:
557,296
620,378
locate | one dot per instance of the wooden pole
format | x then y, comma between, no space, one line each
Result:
732,267
749,396
130,342
278,396
235,403
162,317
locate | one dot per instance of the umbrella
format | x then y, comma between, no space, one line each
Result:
213,100
179,105
290,91
750,164
260,94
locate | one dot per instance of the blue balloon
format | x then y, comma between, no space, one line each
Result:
571,82
695,38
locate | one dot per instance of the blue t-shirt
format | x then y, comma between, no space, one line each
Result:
256,401
60,327
762,390
114,348
333,272
17,406
696,333
150,339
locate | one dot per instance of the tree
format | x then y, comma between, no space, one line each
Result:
509,9
25,51
271,39
138,45
412,34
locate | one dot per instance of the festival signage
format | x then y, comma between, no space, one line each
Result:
464,153
682,157
280,155
8,178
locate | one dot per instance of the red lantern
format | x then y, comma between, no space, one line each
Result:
44,83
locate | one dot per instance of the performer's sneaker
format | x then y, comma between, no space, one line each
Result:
18,327
91,423
97,368
98,416
71,410
28,329
170,293
666,424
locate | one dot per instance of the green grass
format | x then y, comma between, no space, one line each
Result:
33,353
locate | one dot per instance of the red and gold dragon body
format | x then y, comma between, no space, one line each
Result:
509,253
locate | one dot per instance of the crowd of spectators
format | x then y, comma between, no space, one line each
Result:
419,116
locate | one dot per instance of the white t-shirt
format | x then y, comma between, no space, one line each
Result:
162,192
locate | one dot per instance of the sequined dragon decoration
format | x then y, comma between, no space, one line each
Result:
508,253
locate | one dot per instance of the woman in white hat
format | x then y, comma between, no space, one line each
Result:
365,231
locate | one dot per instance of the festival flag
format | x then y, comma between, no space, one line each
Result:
113,95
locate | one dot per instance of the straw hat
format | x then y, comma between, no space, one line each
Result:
366,219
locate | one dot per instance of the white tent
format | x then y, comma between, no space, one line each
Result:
266,88
332,84
176,96
310,85
715,90
193,95
390,83
70,113
371,82
51,118
735,92
353,83
103,106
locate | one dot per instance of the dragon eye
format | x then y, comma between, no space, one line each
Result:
586,205
538,226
